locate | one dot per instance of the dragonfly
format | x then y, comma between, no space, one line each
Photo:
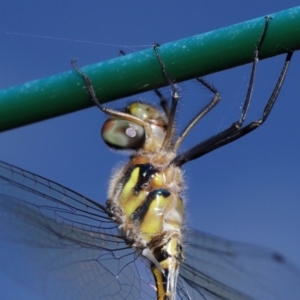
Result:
136,245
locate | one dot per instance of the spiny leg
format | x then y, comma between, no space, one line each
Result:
213,102
94,98
88,84
236,130
175,98
239,124
163,102
255,124
162,99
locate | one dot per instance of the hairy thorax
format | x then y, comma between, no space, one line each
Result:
145,199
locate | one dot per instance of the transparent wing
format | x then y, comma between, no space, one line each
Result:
216,268
64,246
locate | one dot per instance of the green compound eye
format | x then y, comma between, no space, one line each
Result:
123,134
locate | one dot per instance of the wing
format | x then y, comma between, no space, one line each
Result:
216,268
63,245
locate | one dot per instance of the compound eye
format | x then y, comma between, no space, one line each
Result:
123,134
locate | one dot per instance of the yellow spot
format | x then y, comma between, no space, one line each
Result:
130,184
128,200
153,220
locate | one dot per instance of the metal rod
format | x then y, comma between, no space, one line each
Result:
139,72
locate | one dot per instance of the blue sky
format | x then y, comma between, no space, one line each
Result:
247,191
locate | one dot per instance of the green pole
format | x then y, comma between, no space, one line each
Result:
139,72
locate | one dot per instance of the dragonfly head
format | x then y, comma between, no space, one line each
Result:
138,126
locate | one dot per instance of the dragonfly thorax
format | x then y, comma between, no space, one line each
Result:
145,199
